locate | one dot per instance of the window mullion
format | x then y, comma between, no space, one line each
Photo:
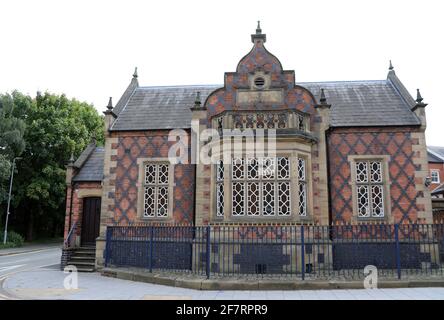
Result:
370,199
276,192
156,189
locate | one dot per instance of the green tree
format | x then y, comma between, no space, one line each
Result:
5,171
13,108
56,127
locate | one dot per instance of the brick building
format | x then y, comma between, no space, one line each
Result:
350,151
436,165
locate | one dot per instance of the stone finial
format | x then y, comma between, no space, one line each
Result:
419,98
323,99
391,66
258,29
258,35
135,73
110,104
71,159
419,101
197,101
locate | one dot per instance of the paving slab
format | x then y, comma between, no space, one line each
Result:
49,284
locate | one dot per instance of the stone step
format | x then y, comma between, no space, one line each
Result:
85,269
82,263
89,249
84,253
82,258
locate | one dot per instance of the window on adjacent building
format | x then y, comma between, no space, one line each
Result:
370,189
435,176
261,186
155,187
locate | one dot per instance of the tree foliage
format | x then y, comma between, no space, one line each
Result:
13,107
56,127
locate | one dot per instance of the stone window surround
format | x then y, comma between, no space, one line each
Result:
436,171
293,155
384,159
141,162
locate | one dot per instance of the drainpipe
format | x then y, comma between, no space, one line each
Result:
70,207
69,176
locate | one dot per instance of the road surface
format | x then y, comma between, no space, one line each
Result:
48,257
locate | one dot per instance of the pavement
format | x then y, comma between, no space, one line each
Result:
36,275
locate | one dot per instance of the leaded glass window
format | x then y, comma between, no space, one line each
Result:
369,189
220,189
302,187
261,186
156,190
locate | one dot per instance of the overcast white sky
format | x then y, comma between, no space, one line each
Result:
88,49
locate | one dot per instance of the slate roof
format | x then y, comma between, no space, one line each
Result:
160,107
84,155
92,167
438,190
364,103
435,154
354,103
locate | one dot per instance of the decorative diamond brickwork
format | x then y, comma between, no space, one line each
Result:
149,145
396,143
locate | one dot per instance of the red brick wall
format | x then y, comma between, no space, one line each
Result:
77,205
147,144
395,142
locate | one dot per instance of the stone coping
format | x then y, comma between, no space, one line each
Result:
201,283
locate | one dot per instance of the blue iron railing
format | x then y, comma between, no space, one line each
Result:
302,251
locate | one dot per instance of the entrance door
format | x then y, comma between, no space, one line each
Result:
90,221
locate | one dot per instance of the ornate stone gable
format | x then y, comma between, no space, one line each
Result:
260,83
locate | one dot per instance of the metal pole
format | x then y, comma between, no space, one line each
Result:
9,202
398,251
109,234
151,248
302,252
208,270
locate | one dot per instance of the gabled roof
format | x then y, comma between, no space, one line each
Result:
134,84
92,165
435,154
160,108
354,103
84,155
364,103
438,190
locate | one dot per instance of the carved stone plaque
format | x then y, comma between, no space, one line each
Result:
264,96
